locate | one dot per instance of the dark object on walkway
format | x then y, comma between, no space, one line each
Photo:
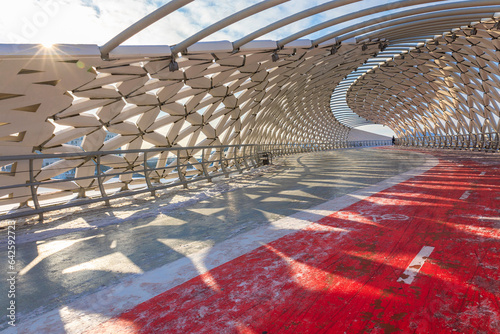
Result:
266,158
393,140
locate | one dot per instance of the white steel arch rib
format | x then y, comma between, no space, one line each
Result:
434,80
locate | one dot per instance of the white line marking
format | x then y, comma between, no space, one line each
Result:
465,195
482,173
409,274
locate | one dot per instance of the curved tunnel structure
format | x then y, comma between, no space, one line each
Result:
447,88
430,73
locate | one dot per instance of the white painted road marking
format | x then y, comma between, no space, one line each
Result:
409,274
389,217
465,195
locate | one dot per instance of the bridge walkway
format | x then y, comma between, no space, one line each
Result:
379,240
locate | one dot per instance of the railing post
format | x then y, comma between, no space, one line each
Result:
204,165
256,152
245,162
146,175
99,180
182,179
222,163
236,163
34,195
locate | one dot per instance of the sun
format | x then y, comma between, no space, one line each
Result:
48,45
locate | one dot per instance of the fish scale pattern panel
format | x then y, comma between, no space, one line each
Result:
68,104
448,87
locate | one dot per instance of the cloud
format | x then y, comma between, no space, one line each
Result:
97,21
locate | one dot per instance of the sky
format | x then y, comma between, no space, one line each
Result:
97,21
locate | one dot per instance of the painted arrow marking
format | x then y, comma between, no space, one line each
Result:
411,272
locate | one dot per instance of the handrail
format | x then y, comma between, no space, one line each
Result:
93,153
152,171
487,142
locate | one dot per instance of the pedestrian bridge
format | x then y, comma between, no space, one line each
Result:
426,69
337,236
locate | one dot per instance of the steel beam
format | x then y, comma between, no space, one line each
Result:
291,19
348,32
351,16
141,25
261,6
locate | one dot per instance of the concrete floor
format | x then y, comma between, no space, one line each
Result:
420,256
57,270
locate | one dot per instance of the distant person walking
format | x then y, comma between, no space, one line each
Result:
393,140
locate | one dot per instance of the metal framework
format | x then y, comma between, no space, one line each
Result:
429,72
444,91
201,163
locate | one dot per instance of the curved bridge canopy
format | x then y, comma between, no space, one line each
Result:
423,68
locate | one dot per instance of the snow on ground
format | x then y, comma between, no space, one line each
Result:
93,216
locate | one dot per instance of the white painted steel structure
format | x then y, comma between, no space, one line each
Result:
431,73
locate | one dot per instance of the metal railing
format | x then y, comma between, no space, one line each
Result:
487,142
38,183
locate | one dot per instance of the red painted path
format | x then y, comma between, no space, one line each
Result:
340,275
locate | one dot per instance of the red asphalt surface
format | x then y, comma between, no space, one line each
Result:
340,274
